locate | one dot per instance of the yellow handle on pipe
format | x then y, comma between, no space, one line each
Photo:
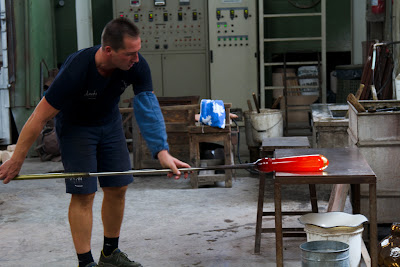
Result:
52,176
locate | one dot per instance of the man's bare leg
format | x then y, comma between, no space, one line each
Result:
80,217
112,211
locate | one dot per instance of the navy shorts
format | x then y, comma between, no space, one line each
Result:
94,149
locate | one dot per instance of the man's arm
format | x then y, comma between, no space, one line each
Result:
30,132
150,121
152,126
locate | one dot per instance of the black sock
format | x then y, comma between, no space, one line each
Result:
110,244
85,258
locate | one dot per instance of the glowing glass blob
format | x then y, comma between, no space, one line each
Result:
309,163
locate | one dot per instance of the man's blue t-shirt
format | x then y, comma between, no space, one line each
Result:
85,97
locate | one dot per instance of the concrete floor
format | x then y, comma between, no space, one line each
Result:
166,222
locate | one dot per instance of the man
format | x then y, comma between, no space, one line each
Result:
84,98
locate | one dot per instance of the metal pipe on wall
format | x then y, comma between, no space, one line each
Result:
358,30
260,20
5,129
4,68
396,35
323,50
4,84
27,56
84,24
396,48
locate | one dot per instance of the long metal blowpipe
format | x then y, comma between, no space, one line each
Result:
309,163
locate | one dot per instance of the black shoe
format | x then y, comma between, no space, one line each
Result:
117,258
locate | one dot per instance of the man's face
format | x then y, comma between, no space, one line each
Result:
125,57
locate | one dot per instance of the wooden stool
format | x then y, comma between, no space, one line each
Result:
204,133
268,147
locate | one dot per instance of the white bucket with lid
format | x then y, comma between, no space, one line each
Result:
267,123
336,226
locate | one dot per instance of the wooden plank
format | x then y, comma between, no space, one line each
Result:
181,107
353,100
365,255
178,100
180,139
208,129
179,117
179,148
276,102
176,128
338,197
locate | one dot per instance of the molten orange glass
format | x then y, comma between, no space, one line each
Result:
309,163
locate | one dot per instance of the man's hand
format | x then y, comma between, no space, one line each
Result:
8,170
29,133
168,161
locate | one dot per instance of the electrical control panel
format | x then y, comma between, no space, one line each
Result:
174,43
198,47
233,44
169,25
230,28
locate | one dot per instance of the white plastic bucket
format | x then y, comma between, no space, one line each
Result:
249,135
267,123
349,235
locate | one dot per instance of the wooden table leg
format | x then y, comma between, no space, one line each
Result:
194,160
278,224
313,198
373,238
356,198
260,208
228,159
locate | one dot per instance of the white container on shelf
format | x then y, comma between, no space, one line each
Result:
308,71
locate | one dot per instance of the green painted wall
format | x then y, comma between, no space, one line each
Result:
65,23
45,31
65,20
102,14
34,42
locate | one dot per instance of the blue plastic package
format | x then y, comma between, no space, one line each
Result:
212,113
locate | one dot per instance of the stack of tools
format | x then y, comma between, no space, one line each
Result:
380,77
